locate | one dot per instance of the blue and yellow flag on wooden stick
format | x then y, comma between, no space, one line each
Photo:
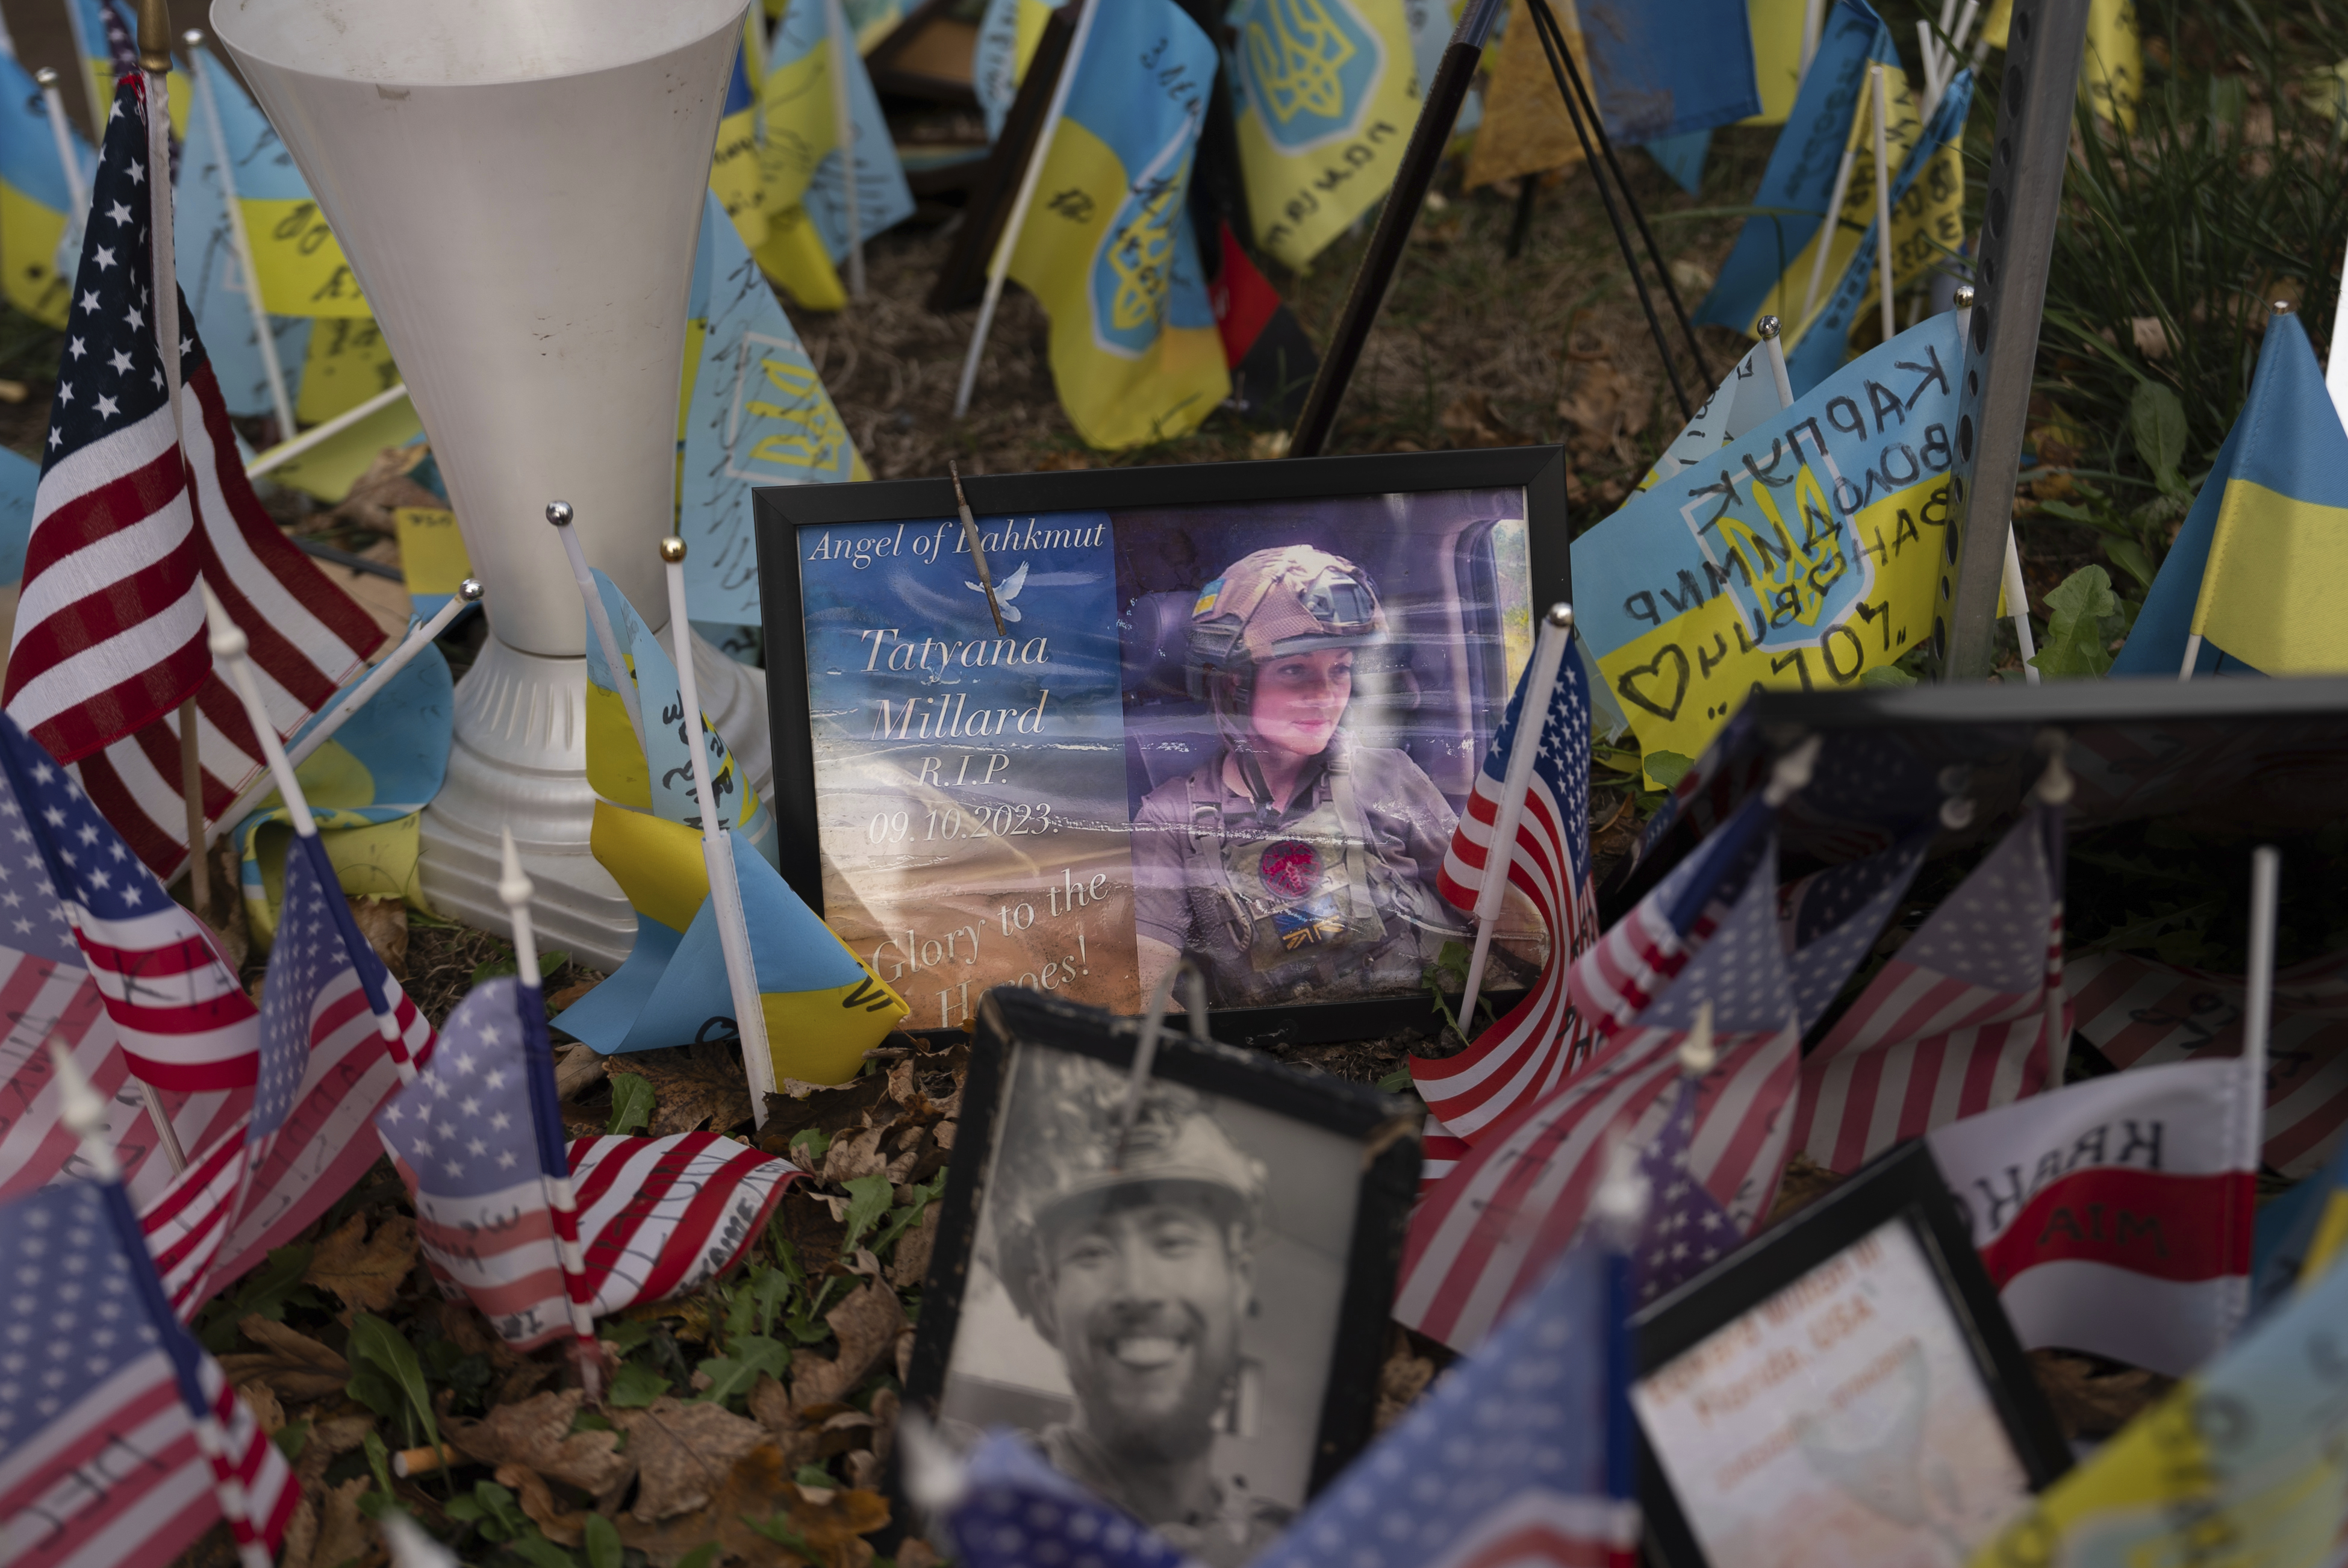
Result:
1817,349
2240,1464
755,414
1326,92
1803,553
1108,248
801,162
368,787
34,204
2259,569
1768,272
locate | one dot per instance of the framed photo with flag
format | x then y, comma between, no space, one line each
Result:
1845,1391
1179,1295
1230,711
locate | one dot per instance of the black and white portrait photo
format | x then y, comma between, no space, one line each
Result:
1160,1325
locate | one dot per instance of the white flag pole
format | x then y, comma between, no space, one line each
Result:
557,512
1551,650
843,130
1000,266
514,890
1771,332
1814,16
353,699
76,193
285,451
2257,1006
1883,259
2335,369
1833,219
239,241
717,853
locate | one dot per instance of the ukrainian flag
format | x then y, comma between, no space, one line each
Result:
1768,271
368,787
1108,248
1326,92
2259,569
300,263
34,200
802,162
1007,35
733,170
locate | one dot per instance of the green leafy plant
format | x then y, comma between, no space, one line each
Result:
603,1543
2085,616
1449,973
637,1384
496,1515
386,1377
632,1103
267,1292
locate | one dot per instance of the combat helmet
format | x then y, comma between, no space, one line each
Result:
1058,1163
1276,601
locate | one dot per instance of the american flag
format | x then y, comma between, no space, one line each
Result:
1969,1014
1014,1511
185,1022
1525,1054
2140,1013
100,1461
1485,1236
1504,1464
109,632
1685,1229
1829,920
479,1140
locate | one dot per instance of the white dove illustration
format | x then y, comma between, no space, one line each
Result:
1005,592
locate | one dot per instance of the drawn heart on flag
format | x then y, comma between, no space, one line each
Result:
1628,687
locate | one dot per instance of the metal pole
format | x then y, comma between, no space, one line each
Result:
1445,94
2025,189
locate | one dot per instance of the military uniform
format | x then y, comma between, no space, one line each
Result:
1336,888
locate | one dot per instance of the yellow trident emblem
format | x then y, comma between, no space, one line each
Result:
811,433
1142,259
1299,71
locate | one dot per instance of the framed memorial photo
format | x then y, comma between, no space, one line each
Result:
1844,1392
1189,1321
1232,711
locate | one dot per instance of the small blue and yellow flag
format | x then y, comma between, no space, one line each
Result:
34,200
1108,248
755,413
801,162
1648,80
1770,262
300,263
368,787
1008,32
734,169
1325,92
2260,567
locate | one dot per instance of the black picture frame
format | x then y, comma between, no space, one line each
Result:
1902,1185
1386,1128
779,511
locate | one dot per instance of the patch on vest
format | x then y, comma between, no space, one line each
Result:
1290,869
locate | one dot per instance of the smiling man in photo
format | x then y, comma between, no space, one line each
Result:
1138,1270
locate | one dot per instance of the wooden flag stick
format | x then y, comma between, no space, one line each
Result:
1551,649
717,853
191,792
999,267
83,1114
265,337
514,891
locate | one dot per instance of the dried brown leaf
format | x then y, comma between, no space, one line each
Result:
885,1407
1805,1182
345,1535
684,1453
364,1271
693,1087
300,1539
383,923
267,1413
568,1526
915,1552
1469,421
758,1487
329,1440
851,1158
577,1069
866,1324
2094,1399
813,1232
537,1433
294,1365
910,1265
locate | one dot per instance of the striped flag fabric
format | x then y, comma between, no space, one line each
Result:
1528,1051
1504,1462
185,1022
2115,1216
1969,1015
479,1140
110,632
99,1457
2142,1014
1483,1238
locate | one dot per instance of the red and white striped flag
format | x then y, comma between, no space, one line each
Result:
1526,1053
1968,1015
2115,1216
2141,1014
657,1216
109,632
1489,1233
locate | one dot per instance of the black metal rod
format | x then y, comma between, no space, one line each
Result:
1638,213
1416,173
1553,46
1523,222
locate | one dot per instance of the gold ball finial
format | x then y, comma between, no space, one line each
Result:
672,550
